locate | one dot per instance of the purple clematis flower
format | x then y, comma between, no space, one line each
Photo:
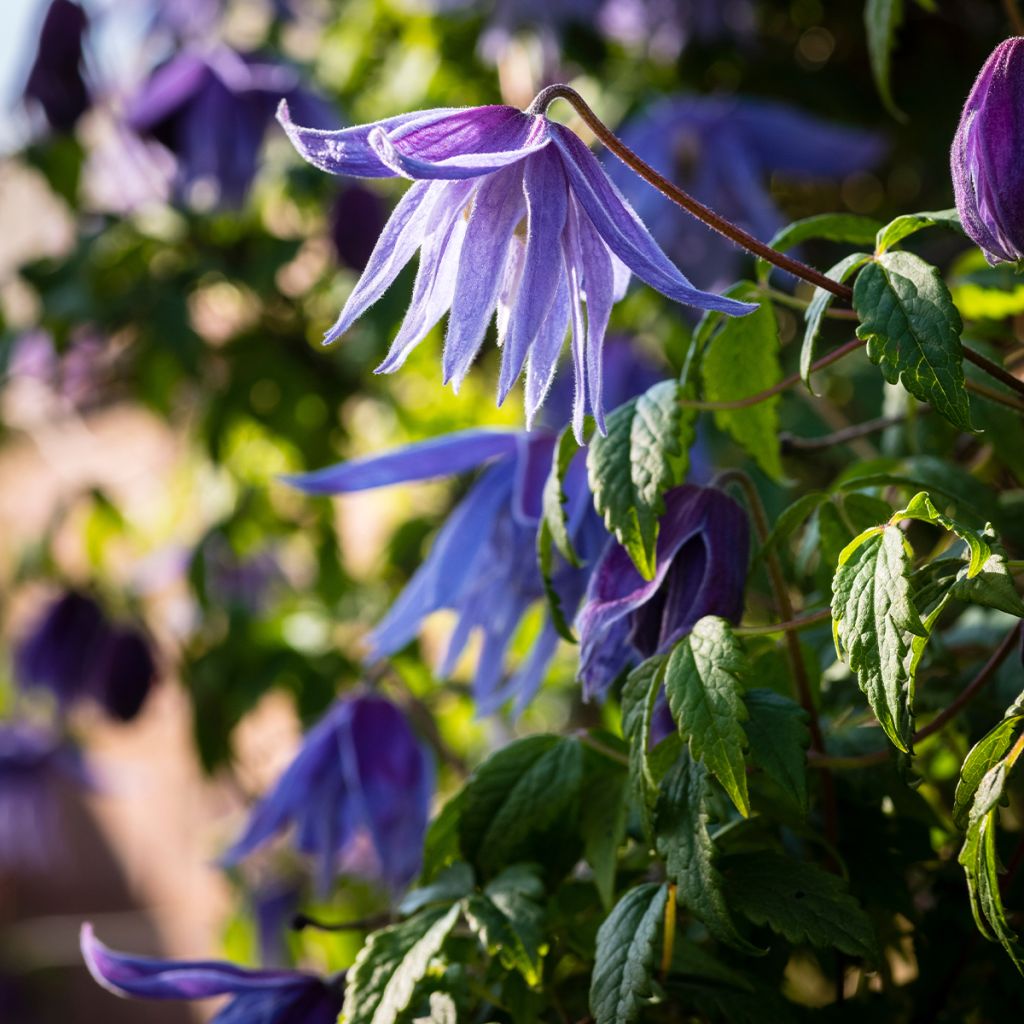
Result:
702,555
988,179
513,216
665,27
211,109
75,652
356,220
263,996
362,781
56,81
724,150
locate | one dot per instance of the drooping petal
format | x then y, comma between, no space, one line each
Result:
498,208
578,339
547,203
347,150
533,465
625,234
465,144
542,361
438,456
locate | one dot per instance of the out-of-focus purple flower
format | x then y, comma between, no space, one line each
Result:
263,996
34,766
74,376
988,174
665,27
702,553
724,151
57,82
211,109
274,904
356,220
361,775
235,581
75,652
480,173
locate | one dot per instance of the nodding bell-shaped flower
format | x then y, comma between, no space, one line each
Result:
988,172
358,792
513,217
263,996
702,554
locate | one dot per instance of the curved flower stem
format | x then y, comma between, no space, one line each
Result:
703,213
801,681
792,442
613,755
791,626
969,692
994,370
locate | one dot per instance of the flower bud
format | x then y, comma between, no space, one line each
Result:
988,173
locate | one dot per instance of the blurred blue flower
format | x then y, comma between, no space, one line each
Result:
75,652
35,765
724,151
211,108
258,996
512,215
356,220
56,81
358,790
665,27
702,553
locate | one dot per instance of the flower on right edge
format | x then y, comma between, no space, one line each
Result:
986,163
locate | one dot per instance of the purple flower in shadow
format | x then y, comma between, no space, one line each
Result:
702,553
356,220
725,150
359,789
514,219
211,109
988,176
56,81
258,996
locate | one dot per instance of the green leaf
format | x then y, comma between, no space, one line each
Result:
508,918
742,359
799,901
874,619
818,307
644,454
982,758
682,839
703,682
912,330
519,800
991,587
381,982
545,563
982,292
639,697
832,227
980,861
910,223
604,813
791,518
554,500
624,959
779,738
441,844
450,885
922,508
882,19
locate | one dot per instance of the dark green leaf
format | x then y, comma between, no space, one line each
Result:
545,563
779,738
832,227
644,454
800,901
605,808
791,518
910,223
991,587
624,960
983,756
874,619
441,845
882,19
703,682
449,885
912,330
639,696
555,499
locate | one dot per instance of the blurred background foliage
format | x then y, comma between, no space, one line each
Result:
161,367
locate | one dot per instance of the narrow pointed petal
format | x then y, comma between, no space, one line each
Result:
401,237
572,258
625,234
532,468
438,456
542,363
467,144
347,150
511,276
599,286
547,203
498,208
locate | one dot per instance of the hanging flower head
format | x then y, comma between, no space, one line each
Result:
702,555
266,996
56,82
514,218
361,784
988,175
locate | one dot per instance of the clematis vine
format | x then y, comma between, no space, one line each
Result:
702,554
358,793
266,996
515,220
988,179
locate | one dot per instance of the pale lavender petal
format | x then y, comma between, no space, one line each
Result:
498,208
547,203
346,150
571,256
511,275
424,460
625,234
542,362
